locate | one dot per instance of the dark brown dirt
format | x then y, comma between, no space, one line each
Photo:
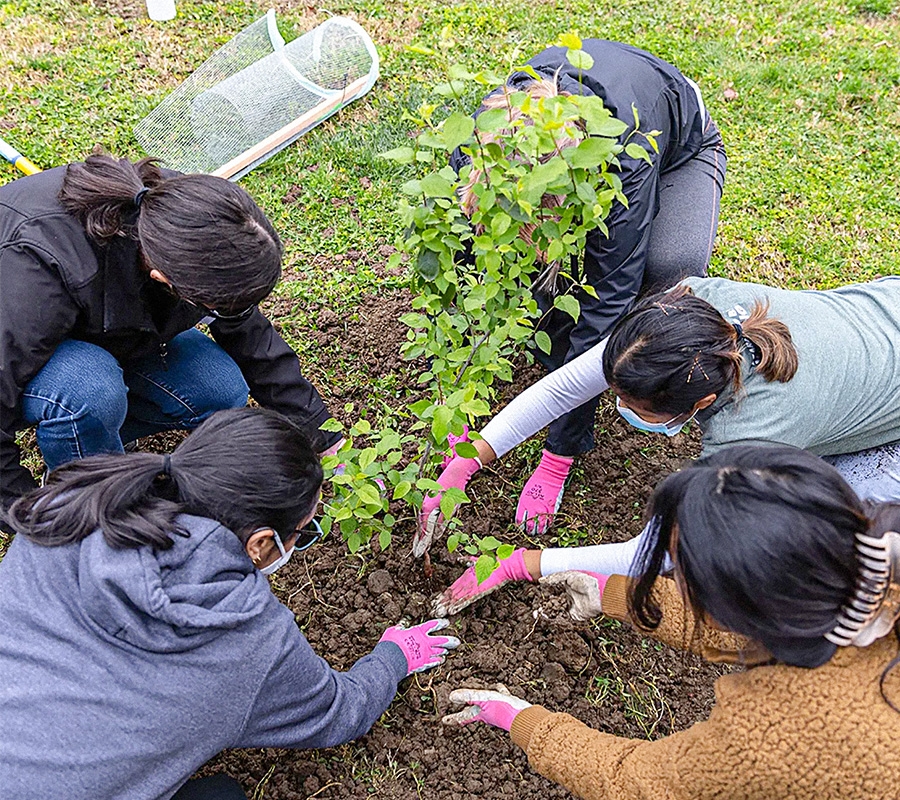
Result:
602,672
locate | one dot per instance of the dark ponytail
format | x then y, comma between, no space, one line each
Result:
246,468
674,349
204,234
764,542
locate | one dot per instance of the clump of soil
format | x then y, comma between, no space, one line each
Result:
602,672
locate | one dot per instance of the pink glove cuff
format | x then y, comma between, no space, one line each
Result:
497,713
422,651
554,466
543,492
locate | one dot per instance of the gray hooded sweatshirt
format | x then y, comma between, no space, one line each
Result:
123,671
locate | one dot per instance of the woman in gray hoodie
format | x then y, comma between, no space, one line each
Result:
140,636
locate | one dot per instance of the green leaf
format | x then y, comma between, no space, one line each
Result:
435,185
402,155
331,425
362,426
484,566
354,541
476,407
384,539
367,457
586,193
466,450
457,129
440,425
591,153
402,489
505,551
493,119
567,304
579,59
448,506
489,543
453,542
422,51
369,495
570,40
542,340
634,150
529,71
428,264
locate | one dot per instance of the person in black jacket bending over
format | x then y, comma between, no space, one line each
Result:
106,267
665,233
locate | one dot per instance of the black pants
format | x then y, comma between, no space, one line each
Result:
681,241
215,787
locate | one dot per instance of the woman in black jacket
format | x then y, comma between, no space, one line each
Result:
106,267
665,233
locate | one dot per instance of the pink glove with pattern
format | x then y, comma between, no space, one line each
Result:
465,590
422,650
543,493
498,708
456,475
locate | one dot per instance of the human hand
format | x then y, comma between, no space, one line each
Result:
465,590
422,650
585,591
543,493
456,475
496,707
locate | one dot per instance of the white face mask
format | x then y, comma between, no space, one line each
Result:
653,427
279,562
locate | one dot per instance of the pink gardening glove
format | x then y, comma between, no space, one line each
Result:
585,590
543,493
456,475
422,650
498,708
465,590
452,441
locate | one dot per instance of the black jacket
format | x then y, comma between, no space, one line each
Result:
621,76
57,284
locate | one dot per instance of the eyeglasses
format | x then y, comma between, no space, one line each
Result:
308,535
227,317
207,310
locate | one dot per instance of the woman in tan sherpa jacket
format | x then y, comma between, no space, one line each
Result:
773,545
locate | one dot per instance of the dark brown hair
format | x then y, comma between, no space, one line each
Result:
205,234
245,468
674,349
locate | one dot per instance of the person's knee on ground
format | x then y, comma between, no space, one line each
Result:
78,402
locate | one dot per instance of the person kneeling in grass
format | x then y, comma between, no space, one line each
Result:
777,565
140,636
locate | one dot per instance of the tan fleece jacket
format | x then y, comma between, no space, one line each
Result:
775,733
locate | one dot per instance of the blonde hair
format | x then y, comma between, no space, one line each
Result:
570,137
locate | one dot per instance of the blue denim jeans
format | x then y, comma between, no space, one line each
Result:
84,402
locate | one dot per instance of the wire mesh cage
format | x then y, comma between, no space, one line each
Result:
256,94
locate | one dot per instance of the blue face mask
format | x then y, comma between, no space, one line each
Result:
653,427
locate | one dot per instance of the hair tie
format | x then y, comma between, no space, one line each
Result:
746,343
139,197
167,466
